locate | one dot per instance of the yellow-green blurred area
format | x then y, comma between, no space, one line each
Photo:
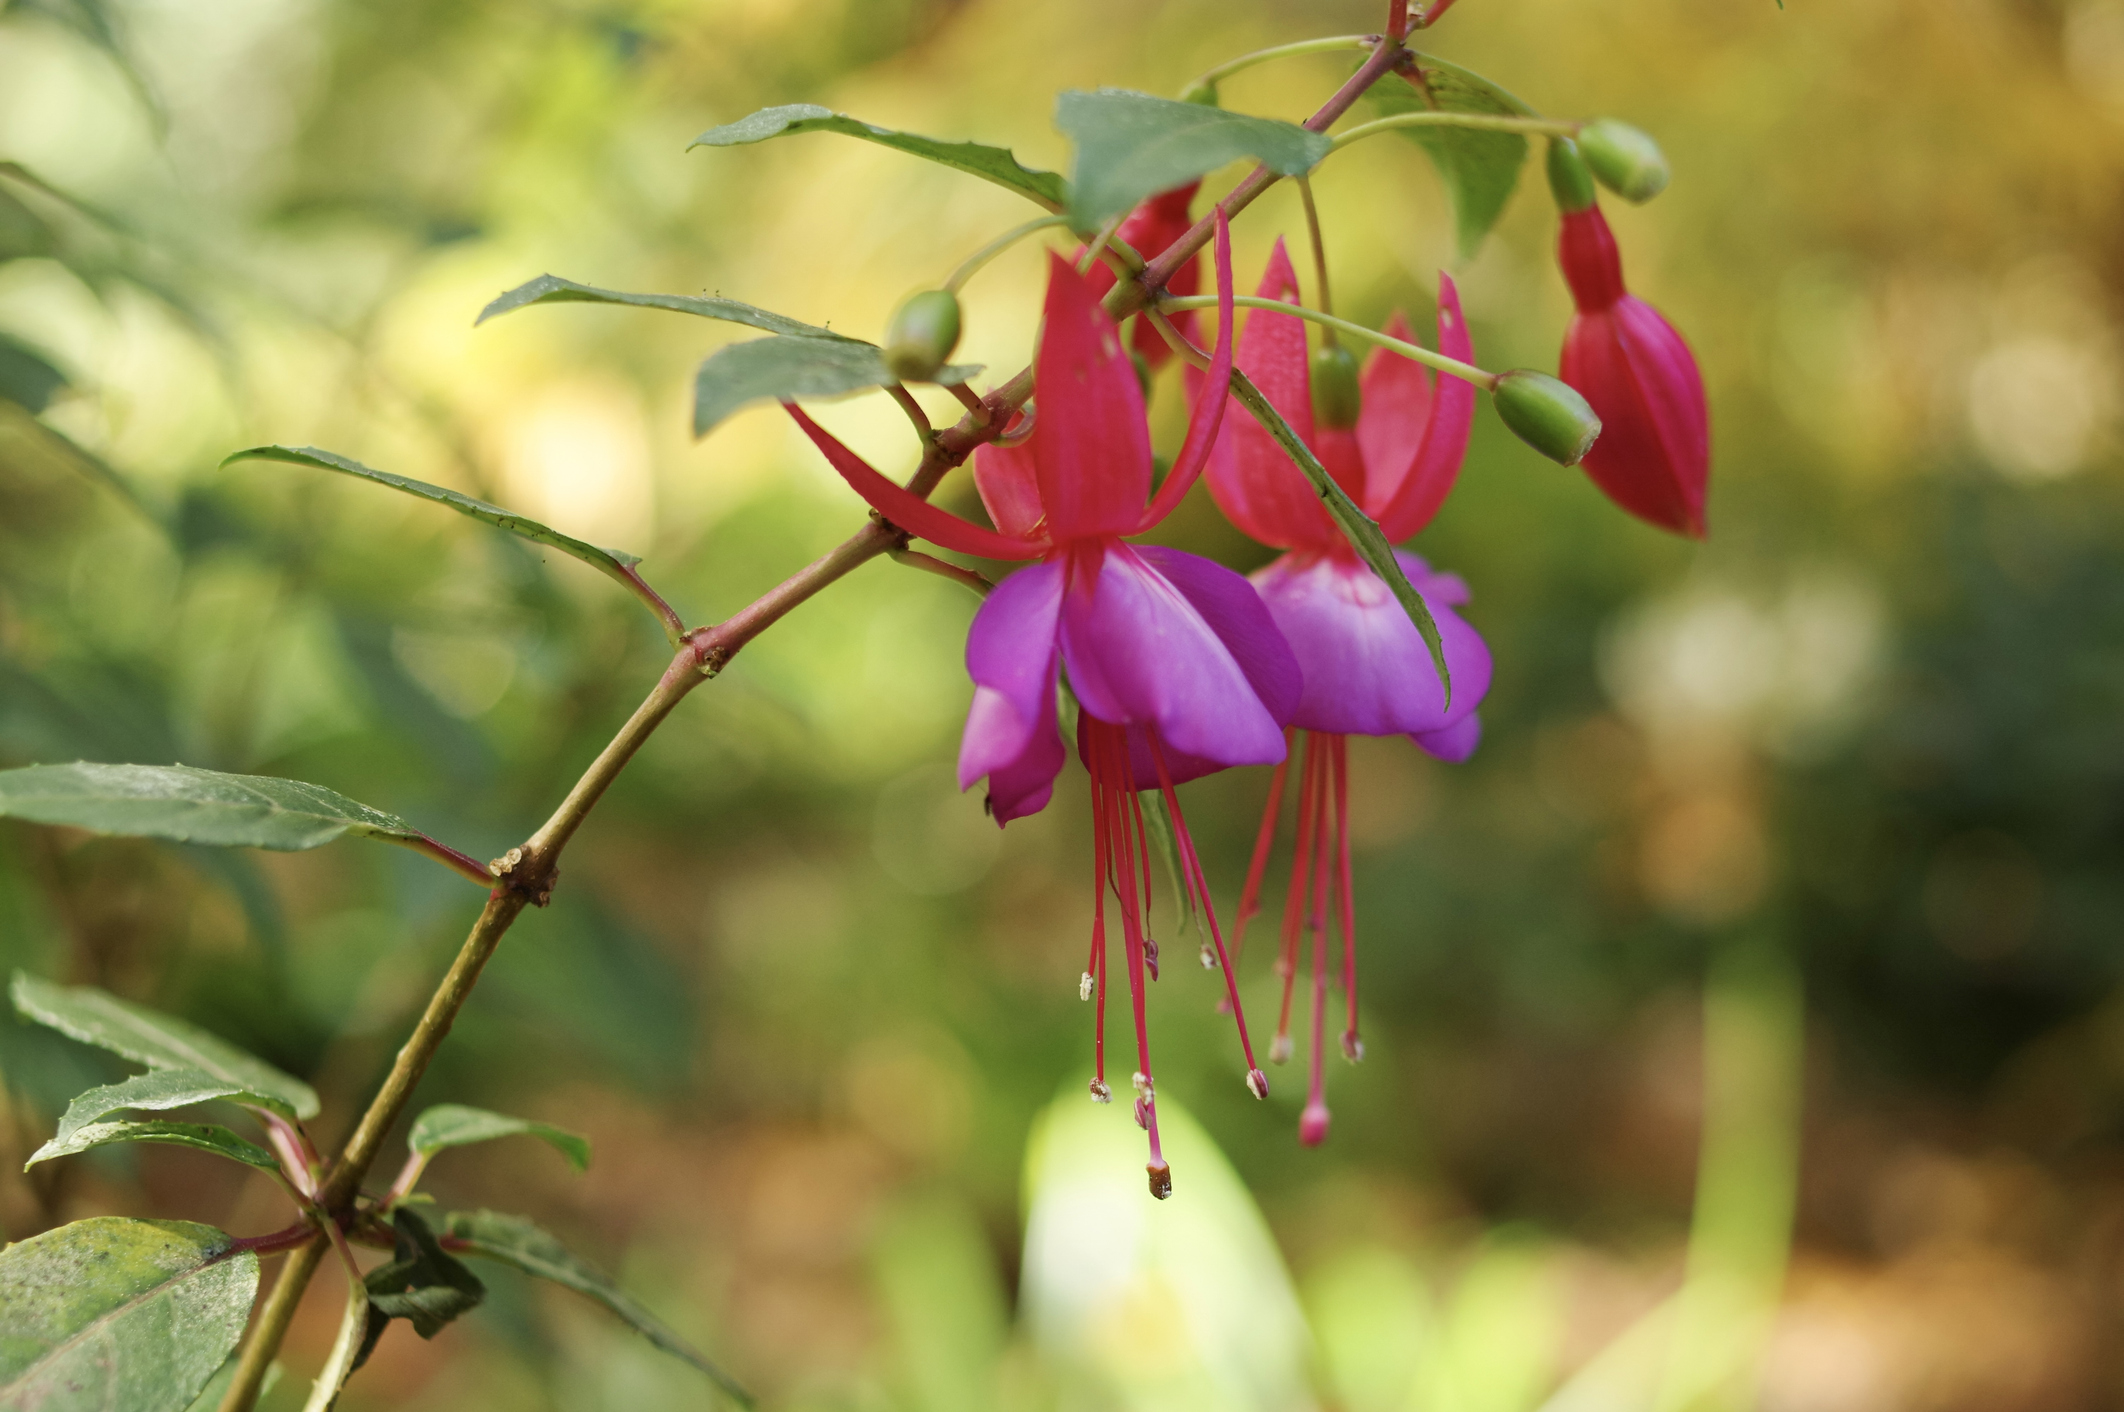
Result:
1811,833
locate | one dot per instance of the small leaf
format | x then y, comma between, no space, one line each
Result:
786,368
552,289
453,1125
207,1137
1479,168
1360,529
116,1315
994,164
423,1284
217,1387
1132,145
191,805
149,1037
155,1091
516,1241
613,563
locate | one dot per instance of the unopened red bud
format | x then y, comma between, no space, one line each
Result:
1569,179
1625,159
924,330
1547,414
1336,396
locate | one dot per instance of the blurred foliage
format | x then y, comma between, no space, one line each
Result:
806,1002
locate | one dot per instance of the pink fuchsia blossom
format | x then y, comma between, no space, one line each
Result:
1177,667
1367,669
1653,456
1148,230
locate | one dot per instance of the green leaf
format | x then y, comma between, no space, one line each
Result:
1360,529
160,1041
191,805
613,563
786,368
1133,145
423,1284
154,1091
516,1241
116,1315
994,164
453,1125
217,1387
1479,168
207,1137
552,289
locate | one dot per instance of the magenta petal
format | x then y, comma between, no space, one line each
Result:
1367,670
1228,603
1141,653
1454,743
1012,656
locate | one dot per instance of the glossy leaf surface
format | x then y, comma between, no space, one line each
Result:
454,1125
205,1137
552,289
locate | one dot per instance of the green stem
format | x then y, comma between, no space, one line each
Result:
929,564
1320,275
1412,351
1207,83
972,264
1488,122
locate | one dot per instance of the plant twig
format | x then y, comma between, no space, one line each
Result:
957,573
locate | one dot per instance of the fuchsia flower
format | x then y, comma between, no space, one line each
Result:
1177,667
1149,229
1367,670
1653,457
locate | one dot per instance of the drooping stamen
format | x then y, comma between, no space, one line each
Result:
1313,1122
1250,897
1110,749
1294,904
1193,877
1352,1046
1097,966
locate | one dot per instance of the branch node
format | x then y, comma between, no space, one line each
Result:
532,884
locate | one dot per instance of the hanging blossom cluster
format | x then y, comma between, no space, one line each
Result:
1178,667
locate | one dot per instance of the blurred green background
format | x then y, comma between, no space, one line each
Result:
1864,745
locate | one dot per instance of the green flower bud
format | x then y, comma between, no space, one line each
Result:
1569,181
1626,160
924,330
1336,397
1547,414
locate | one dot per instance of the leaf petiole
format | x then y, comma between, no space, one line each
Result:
972,264
1415,352
1488,122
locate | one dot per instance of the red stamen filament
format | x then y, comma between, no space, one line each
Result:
1294,903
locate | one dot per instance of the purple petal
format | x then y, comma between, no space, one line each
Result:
1010,730
1454,743
1141,653
1367,670
1228,603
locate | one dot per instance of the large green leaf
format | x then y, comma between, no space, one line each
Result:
1132,145
1360,529
786,368
516,1241
552,289
206,1137
1479,168
614,563
454,1125
190,805
155,1091
994,164
116,1315
149,1037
